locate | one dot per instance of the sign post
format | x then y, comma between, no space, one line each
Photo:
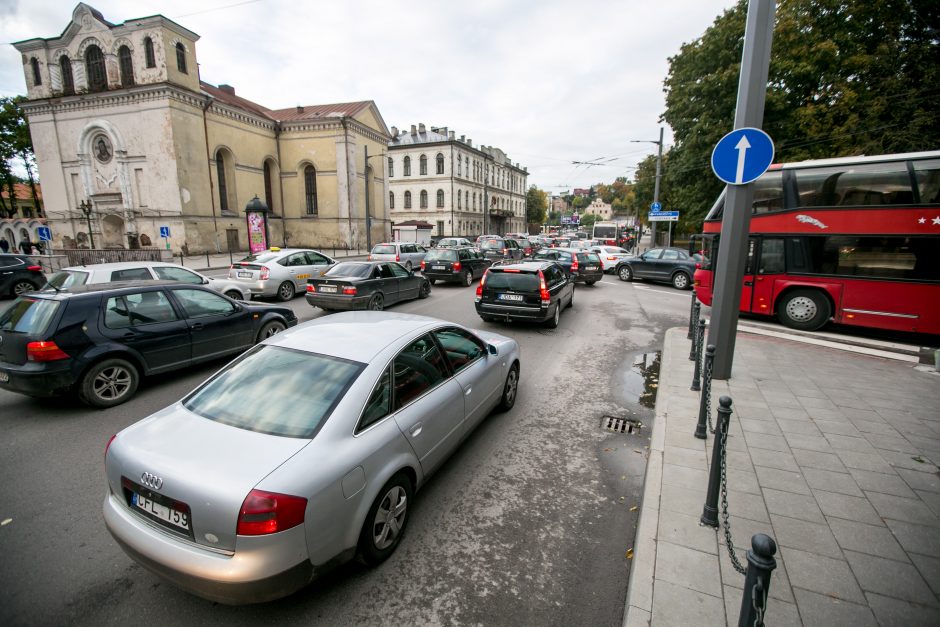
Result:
45,235
165,234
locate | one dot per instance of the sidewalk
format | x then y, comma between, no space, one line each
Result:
831,453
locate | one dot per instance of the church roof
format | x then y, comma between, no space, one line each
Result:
226,95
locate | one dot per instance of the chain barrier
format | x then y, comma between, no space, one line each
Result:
758,602
707,391
724,503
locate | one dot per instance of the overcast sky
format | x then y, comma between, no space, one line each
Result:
548,81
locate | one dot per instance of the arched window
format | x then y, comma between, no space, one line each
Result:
149,58
440,198
223,188
37,76
68,83
391,168
310,190
127,66
180,57
440,163
424,199
268,187
94,69
459,199
424,165
407,166
391,200
407,198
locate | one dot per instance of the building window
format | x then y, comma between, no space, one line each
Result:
223,189
474,201
126,65
424,166
440,227
149,59
407,166
440,163
466,198
391,200
407,199
424,199
268,195
391,168
68,83
310,190
459,199
440,198
180,57
459,165
94,69
37,76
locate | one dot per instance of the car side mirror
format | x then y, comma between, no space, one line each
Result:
205,281
491,349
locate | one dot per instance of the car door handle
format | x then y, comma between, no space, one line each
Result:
197,326
748,283
129,336
467,393
416,429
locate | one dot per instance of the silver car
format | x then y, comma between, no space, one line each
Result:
301,453
280,272
143,271
610,256
407,254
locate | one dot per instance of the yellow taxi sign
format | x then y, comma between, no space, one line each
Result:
274,249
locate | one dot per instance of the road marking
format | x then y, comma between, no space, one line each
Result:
666,291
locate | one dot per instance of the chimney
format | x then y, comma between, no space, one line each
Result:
470,142
450,135
463,138
300,109
394,131
414,131
227,89
444,131
421,128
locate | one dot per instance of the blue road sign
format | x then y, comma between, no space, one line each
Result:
164,231
45,234
664,216
656,206
742,155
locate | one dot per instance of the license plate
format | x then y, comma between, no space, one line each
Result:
303,276
244,275
167,514
591,268
437,267
517,297
4,377
327,288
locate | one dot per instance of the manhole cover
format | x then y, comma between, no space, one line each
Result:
616,424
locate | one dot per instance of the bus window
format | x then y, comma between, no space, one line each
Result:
771,256
768,192
927,174
862,185
875,256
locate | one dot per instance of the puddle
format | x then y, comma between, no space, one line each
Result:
640,381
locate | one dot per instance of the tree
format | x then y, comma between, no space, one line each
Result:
536,204
588,220
847,77
15,144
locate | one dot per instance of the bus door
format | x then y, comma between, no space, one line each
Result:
765,262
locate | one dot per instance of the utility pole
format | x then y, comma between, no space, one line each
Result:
659,170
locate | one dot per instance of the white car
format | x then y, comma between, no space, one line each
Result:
610,256
143,271
407,254
279,272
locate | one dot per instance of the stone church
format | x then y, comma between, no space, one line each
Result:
128,139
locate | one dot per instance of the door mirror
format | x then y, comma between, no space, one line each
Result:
205,281
491,349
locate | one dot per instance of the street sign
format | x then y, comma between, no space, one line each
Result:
45,234
742,155
656,206
164,231
663,216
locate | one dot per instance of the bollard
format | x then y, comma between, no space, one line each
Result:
710,511
704,402
760,563
231,261
692,317
693,350
208,264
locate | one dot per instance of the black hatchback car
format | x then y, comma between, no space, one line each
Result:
500,248
461,265
98,340
18,275
583,266
529,290
667,265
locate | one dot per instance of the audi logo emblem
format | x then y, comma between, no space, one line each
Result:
151,480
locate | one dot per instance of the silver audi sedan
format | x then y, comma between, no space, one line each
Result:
304,452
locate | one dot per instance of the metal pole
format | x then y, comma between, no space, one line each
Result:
710,511
760,563
704,406
659,169
368,217
735,225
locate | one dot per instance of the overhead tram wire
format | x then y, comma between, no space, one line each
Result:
219,8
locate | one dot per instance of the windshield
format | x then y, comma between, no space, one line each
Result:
309,386
68,278
441,255
520,281
28,315
383,249
350,269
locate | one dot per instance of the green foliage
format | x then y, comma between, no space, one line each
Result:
536,204
15,144
587,221
579,202
554,218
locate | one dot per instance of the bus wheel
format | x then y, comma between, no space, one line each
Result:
807,310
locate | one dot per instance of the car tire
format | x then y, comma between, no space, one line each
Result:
271,328
22,286
425,290
625,273
285,291
467,278
108,383
591,282
408,266
552,322
510,389
806,310
377,302
385,523
681,281
234,295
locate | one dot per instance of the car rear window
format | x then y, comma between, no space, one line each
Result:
64,279
383,249
357,270
28,315
441,255
262,257
308,387
519,281
490,244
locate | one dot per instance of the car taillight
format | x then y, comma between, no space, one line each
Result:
457,266
44,351
370,257
269,512
310,288
602,263
574,263
422,265
505,251
482,282
265,273
397,257
34,268
349,291
543,290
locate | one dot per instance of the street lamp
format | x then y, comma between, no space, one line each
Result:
86,208
368,211
659,165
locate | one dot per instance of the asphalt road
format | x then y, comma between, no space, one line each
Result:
528,523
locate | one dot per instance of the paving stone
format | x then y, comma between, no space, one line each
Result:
688,568
742,530
931,500
743,480
895,612
833,415
781,479
929,568
799,506
687,477
864,461
816,609
683,439
805,536
890,578
849,443
915,538
747,505
788,412
847,507
684,457
830,481
822,574
774,459
739,460
874,539
874,427
765,441
760,426
799,427
780,584
880,482
897,443
906,460
928,481
676,605
777,612
686,531
817,459
810,403
833,426
681,499
809,442
637,617
900,508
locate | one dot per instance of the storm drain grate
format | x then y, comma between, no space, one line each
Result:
616,424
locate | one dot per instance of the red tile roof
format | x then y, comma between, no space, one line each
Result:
292,114
23,192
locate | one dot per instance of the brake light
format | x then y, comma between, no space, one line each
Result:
349,291
265,273
34,268
543,290
482,281
574,263
505,251
456,266
602,263
44,351
269,512
397,257
310,288
422,265
370,256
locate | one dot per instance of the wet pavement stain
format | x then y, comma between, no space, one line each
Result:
640,382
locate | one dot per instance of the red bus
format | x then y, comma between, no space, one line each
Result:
854,241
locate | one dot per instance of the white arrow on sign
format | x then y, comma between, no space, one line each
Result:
741,147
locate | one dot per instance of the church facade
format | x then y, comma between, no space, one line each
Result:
128,140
